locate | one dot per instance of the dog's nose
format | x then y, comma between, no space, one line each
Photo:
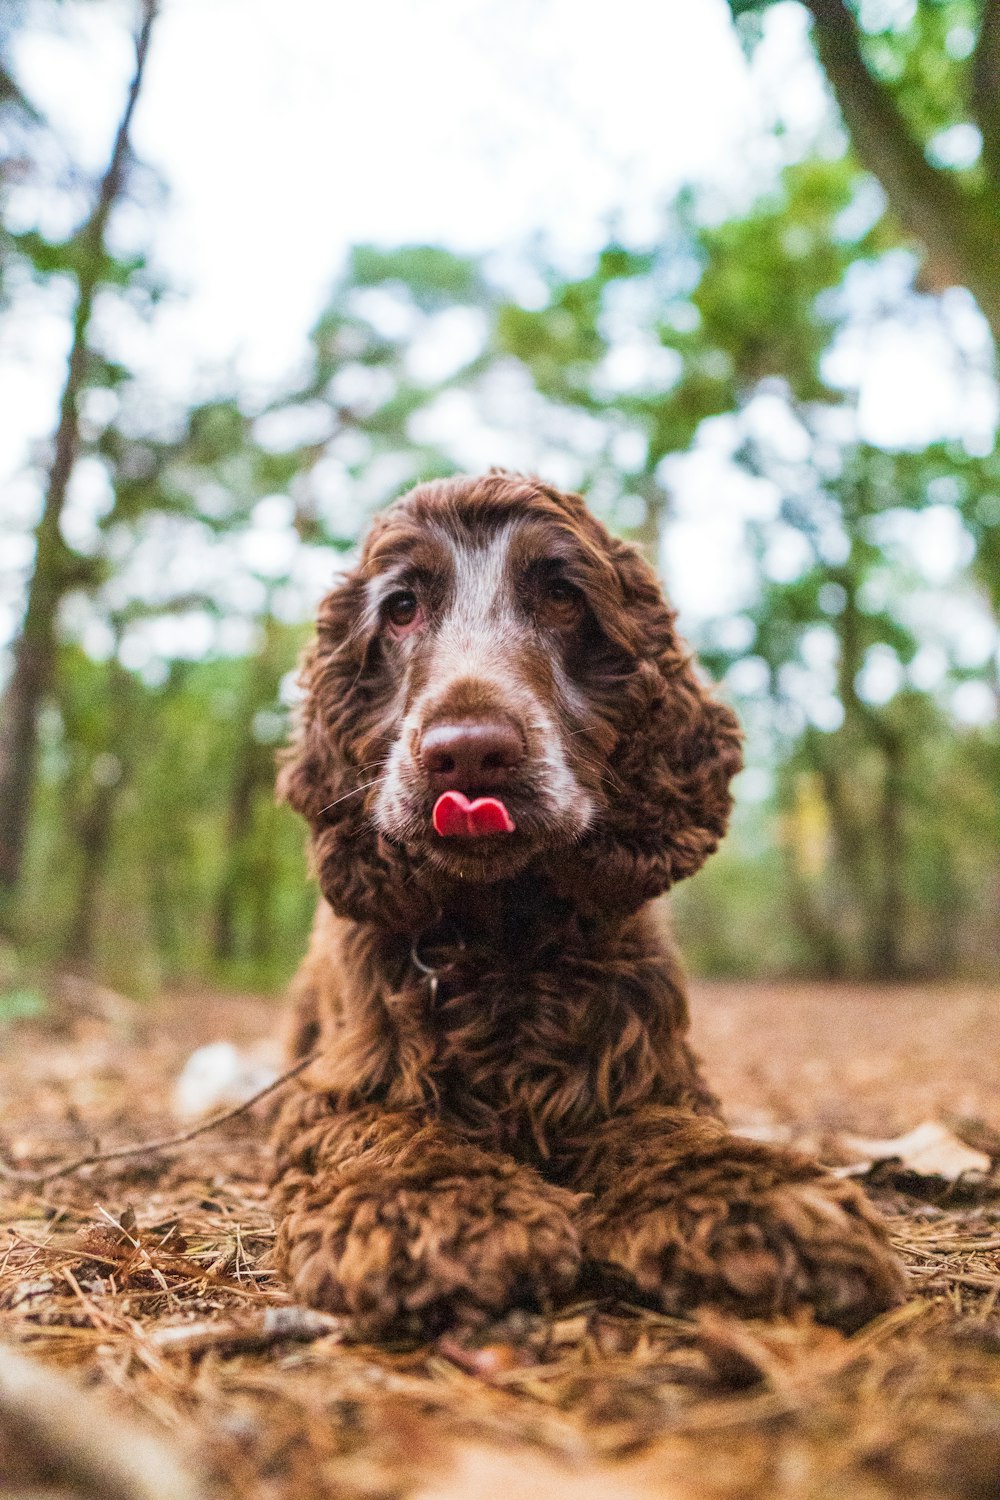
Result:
471,755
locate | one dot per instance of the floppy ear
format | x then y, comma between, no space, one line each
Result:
328,773
677,749
316,768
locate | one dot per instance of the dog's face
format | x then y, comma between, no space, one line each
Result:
488,645
498,688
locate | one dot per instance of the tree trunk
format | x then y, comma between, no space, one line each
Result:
815,929
237,821
94,823
35,649
955,223
253,772
986,88
888,910
94,833
265,877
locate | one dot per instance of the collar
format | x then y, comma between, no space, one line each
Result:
428,954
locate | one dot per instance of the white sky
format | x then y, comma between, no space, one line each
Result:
304,126
286,131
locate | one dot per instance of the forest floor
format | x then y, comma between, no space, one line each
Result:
147,1282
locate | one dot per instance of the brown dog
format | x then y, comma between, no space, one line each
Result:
504,756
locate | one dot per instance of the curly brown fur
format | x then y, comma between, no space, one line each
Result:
685,1213
398,1221
465,1142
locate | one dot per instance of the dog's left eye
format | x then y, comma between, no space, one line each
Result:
401,609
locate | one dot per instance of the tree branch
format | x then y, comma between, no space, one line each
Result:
161,1143
929,202
111,182
985,99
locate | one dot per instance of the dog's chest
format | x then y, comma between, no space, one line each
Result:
525,1056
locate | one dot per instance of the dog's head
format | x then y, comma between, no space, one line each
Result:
498,688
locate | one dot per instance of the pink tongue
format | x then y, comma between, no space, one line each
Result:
454,815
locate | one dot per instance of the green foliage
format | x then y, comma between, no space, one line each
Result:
186,823
866,837
75,257
758,301
918,86
21,1005
430,277
920,51
719,308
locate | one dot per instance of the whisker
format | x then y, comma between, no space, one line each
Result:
417,870
362,788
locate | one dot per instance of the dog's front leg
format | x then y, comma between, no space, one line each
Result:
391,1218
688,1213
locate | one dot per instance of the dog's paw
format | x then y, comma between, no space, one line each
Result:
403,1258
798,1243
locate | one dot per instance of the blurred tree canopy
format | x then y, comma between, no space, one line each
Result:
177,552
918,85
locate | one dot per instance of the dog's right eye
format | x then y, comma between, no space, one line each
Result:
401,608
560,603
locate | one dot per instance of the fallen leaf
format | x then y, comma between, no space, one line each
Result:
931,1150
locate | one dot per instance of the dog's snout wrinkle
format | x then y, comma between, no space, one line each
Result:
468,755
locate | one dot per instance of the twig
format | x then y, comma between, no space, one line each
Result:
164,1143
276,1325
962,1278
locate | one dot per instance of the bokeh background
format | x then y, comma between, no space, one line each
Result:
734,271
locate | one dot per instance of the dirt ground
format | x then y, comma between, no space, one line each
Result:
147,1281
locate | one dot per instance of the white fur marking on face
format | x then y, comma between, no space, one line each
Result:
480,578
479,637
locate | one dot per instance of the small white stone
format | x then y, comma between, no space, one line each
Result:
218,1076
